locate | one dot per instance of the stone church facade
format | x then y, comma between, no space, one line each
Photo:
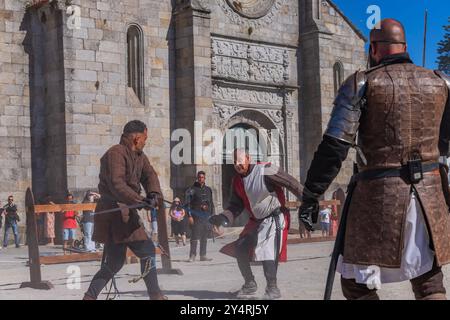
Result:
72,73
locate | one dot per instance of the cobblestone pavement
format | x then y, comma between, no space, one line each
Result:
302,277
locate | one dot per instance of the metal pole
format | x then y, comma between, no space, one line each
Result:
425,39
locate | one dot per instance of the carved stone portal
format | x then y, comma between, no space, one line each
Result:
252,9
252,13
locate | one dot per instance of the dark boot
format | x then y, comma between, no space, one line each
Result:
158,296
272,292
205,258
248,289
435,296
88,297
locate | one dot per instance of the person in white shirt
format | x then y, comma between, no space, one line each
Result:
325,220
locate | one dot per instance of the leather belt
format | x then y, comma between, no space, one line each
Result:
399,172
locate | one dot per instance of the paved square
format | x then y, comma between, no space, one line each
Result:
301,278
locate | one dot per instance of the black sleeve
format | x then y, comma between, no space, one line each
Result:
444,133
326,164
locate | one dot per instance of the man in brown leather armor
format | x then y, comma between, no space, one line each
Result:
397,116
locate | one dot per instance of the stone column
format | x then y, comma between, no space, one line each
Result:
193,88
312,33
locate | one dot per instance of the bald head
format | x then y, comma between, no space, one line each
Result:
388,31
387,38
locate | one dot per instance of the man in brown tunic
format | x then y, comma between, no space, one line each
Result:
398,223
123,169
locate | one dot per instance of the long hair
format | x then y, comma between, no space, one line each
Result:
86,197
173,206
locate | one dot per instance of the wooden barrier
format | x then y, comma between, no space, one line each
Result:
36,260
297,204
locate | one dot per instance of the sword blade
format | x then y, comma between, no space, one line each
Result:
338,244
134,206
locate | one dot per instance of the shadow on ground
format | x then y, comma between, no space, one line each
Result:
196,294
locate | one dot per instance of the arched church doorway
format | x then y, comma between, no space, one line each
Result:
259,142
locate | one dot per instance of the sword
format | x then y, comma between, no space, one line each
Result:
134,206
143,205
339,243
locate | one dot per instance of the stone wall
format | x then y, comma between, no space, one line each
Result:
46,63
326,37
269,67
346,46
15,144
98,100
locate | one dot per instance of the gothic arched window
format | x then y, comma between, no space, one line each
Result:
135,61
338,75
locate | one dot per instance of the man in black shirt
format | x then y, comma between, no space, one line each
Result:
11,219
200,201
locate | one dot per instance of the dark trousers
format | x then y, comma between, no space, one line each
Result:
244,249
115,258
427,285
200,231
14,228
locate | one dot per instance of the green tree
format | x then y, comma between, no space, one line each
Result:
444,51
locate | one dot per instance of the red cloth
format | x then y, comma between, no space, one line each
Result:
253,223
69,221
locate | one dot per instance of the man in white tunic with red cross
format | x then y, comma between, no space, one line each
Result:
258,188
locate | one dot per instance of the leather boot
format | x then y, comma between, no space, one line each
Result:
370,296
88,297
272,291
435,296
158,296
205,258
248,289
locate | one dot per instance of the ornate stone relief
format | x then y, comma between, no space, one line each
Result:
276,116
249,96
243,61
252,13
225,112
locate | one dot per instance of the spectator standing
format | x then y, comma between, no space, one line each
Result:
49,223
200,201
11,220
88,221
178,221
69,225
325,215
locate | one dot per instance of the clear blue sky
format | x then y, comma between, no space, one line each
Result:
411,14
